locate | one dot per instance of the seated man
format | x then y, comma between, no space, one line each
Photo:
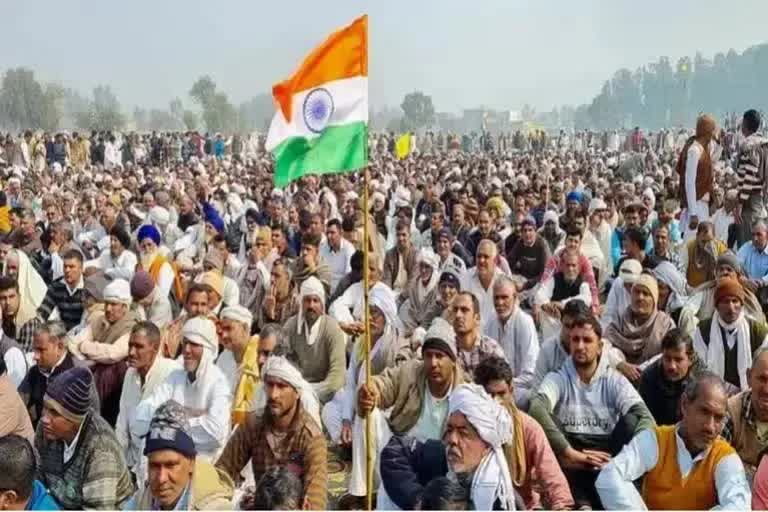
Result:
81,461
515,331
285,433
416,391
747,412
471,344
620,292
686,466
474,447
278,489
151,306
51,358
18,478
419,300
698,259
555,351
199,386
479,279
65,296
196,304
554,293
588,411
641,327
147,369
103,345
727,341
119,262
528,256
317,341
754,260
400,260
19,313
535,466
452,254
14,418
388,349
573,243
663,382
177,479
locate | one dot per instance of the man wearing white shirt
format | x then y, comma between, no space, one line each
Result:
119,262
336,252
516,333
685,466
147,369
480,279
200,387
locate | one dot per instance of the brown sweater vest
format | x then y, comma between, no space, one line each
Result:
704,175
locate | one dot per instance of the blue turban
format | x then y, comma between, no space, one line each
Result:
149,231
574,196
213,218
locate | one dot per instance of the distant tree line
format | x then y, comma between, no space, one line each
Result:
26,103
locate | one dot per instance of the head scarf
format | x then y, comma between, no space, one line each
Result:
493,423
311,287
279,367
202,331
32,289
428,257
665,272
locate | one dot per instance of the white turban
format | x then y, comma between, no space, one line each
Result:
118,291
383,299
279,367
429,257
311,287
159,215
201,331
238,314
493,423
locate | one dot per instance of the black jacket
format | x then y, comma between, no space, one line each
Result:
408,465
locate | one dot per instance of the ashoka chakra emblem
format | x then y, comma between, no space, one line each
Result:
318,109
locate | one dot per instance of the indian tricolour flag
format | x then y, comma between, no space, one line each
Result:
321,125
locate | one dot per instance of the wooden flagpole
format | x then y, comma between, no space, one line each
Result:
367,341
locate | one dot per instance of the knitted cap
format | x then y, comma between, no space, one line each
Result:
729,259
69,393
169,430
141,285
441,336
450,279
649,283
728,287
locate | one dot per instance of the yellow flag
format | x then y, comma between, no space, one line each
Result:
403,146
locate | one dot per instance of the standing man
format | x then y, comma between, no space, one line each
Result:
752,171
695,169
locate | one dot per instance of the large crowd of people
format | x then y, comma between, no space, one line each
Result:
563,321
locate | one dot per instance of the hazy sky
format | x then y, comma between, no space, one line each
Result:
499,53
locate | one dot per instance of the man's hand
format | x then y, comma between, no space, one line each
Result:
630,371
551,309
366,399
346,433
352,328
584,459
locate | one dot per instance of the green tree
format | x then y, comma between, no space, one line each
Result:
191,120
105,110
52,107
218,113
418,111
21,99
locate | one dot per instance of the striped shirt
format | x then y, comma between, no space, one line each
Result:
68,302
752,166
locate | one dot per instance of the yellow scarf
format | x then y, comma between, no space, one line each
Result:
249,379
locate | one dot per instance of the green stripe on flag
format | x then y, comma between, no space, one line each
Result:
340,148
